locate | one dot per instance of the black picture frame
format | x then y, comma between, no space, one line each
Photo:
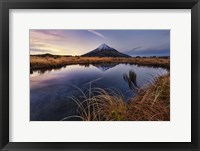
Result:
5,5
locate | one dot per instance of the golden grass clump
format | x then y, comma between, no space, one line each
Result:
100,105
110,105
152,103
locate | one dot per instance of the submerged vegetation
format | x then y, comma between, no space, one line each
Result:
152,102
131,79
38,62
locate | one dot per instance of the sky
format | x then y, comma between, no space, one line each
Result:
79,42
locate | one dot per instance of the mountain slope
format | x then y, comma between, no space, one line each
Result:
105,51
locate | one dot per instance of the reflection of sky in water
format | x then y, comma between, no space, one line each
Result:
50,91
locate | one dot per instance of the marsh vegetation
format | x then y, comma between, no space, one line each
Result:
46,62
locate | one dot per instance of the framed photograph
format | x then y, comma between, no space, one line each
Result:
99,75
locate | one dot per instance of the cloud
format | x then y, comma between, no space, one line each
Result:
40,51
50,50
160,50
47,34
53,33
135,49
97,33
150,52
36,45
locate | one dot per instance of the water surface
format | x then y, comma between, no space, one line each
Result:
50,91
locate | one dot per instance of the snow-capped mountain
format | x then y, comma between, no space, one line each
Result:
104,47
105,51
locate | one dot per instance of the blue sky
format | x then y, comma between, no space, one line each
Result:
78,42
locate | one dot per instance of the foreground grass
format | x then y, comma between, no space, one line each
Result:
151,103
50,62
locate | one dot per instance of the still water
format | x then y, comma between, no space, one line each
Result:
50,91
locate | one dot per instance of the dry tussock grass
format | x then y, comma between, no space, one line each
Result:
37,62
153,102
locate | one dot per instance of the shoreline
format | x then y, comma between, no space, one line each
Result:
51,62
